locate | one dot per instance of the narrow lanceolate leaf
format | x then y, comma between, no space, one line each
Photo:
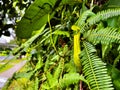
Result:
103,15
94,69
104,36
30,41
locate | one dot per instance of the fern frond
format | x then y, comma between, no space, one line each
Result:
103,15
52,82
94,69
105,36
81,22
71,78
59,69
82,19
60,32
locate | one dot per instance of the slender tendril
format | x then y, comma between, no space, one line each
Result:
51,38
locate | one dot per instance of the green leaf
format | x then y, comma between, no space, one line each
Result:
71,78
81,22
115,74
24,74
103,15
29,41
59,32
59,69
113,22
113,3
45,86
82,19
94,69
104,36
105,49
39,63
35,17
36,83
51,80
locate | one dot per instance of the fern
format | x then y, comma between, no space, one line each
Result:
52,82
94,69
105,36
81,22
84,17
103,15
71,78
36,83
59,69
60,32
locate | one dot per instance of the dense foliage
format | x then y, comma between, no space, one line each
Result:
10,12
69,44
